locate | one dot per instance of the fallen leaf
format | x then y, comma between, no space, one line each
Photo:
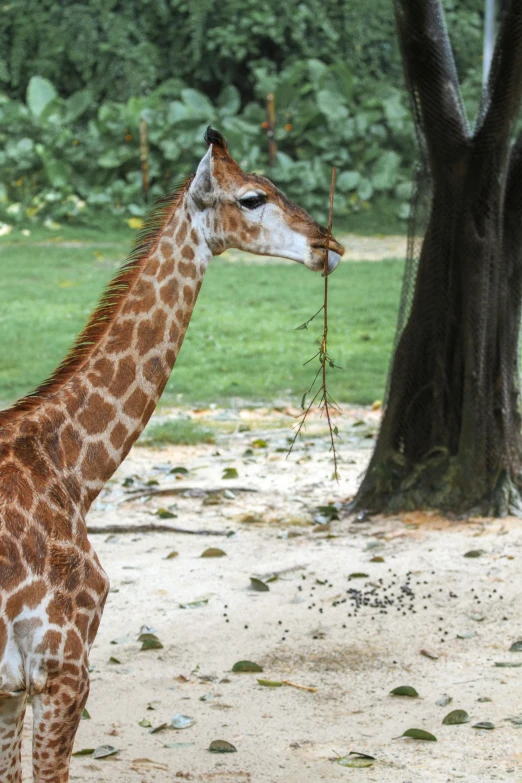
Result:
230,473
172,555
228,494
102,751
429,654
361,755
259,443
507,665
474,553
516,647
164,513
112,659
145,724
139,764
84,752
356,762
485,724
420,734
150,641
182,722
213,552
194,604
85,714
270,683
466,635
357,575
161,727
246,666
455,718
180,471
221,746
404,690
258,584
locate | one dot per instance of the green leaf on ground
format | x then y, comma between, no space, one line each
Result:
516,647
172,555
419,734
507,665
230,473
270,683
112,659
485,724
455,718
404,690
145,724
358,575
246,666
356,762
150,641
161,727
258,584
194,604
164,513
180,470
474,553
102,751
85,714
221,746
213,552
84,752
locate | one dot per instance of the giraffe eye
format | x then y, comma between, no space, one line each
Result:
252,202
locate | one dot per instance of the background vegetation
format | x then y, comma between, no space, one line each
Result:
75,78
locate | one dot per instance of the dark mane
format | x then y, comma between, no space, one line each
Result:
108,306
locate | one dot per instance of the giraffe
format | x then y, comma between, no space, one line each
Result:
61,443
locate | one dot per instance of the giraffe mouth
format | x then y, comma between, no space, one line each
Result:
335,251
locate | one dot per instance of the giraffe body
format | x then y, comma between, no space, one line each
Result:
61,444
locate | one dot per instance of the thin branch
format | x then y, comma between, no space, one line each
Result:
432,77
504,92
326,402
181,490
325,331
117,529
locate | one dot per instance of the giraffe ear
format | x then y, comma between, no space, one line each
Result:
202,186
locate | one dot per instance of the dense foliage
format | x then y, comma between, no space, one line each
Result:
77,77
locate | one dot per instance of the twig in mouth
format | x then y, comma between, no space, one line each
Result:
326,401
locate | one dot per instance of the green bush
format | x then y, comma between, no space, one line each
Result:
77,77
60,160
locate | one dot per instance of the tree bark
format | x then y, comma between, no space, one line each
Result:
451,433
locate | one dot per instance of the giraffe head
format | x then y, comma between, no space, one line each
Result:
248,212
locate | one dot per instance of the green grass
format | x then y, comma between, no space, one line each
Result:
182,432
241,344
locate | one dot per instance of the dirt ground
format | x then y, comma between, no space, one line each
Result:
358,607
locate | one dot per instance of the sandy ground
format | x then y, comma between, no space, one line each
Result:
321,625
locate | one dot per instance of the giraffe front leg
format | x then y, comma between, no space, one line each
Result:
12,711
56,714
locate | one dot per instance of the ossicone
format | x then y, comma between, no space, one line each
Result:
215,138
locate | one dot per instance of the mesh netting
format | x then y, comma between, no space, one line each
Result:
451,419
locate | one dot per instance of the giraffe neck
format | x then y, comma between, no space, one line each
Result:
101,409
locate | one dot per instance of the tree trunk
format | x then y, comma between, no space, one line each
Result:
451,433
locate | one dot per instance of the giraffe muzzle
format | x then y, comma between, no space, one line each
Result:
333,262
